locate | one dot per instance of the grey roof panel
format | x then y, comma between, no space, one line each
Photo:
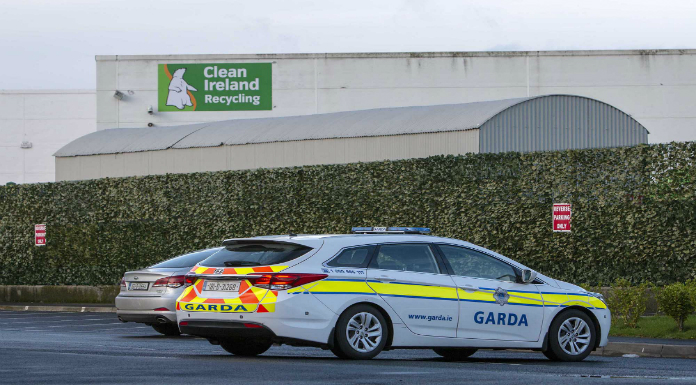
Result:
350,124
116,141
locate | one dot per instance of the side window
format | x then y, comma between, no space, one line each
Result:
406,257
356,257
470,263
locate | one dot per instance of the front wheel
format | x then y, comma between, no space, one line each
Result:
167,329
361,333
455,354
246,347
572,336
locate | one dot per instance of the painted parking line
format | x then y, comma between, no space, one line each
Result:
109,329
30,317
76,325
26,320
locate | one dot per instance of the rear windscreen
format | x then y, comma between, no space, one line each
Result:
255,254
186,260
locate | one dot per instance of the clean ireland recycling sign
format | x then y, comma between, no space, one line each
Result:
214,87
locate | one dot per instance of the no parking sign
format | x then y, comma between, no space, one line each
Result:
40,235
561,217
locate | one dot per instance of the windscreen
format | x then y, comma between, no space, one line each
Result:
186,260
255,254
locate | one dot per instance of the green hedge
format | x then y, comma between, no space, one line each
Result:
634,212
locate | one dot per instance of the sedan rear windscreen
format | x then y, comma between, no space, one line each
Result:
255,254
186,260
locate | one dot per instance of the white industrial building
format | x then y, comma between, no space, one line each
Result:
34,124
655,87
539,123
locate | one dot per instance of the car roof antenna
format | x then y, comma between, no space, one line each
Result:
291,234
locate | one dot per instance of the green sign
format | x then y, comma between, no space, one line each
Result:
214,87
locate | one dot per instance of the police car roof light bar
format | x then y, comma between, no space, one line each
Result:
390,230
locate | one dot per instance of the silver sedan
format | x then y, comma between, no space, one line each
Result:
149,295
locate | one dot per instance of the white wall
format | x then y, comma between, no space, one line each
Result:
267,155
658,88
47,119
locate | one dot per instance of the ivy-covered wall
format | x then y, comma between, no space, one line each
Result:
634,212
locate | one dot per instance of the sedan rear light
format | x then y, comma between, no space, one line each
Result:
123,282
176,281
173,282
190,280
283,281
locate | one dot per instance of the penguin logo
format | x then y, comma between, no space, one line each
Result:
179,90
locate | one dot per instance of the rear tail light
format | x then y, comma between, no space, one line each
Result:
161,309
283,281
176,281
173,281
123,282
189,280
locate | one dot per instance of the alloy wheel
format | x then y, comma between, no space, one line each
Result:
574,336
364,332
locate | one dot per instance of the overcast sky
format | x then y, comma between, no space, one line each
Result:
51,44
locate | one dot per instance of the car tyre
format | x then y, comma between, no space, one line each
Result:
455,354
572,336
361,333
338,353
246,347
167,329
550,355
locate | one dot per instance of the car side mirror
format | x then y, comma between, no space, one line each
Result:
528,276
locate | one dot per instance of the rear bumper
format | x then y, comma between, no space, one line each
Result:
294,317
145,303
142,309
226,329
150,317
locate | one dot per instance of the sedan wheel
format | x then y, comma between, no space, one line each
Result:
167,329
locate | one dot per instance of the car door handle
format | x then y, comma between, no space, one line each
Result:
384,278
469,288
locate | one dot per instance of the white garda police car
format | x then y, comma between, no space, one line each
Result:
380,289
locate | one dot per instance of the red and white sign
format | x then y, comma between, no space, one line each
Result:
40,235
561,217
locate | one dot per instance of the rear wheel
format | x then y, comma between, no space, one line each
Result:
167,329
550,355
361,333
246,347
455,354
338,352
572,336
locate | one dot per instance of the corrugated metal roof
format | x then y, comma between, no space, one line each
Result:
122,140
560,122
351,124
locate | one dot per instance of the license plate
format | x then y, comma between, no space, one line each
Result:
138,286
229,286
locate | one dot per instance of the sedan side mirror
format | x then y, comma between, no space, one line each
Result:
528,276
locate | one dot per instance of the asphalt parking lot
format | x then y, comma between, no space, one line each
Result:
94,348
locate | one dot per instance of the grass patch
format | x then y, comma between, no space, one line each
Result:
657,327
